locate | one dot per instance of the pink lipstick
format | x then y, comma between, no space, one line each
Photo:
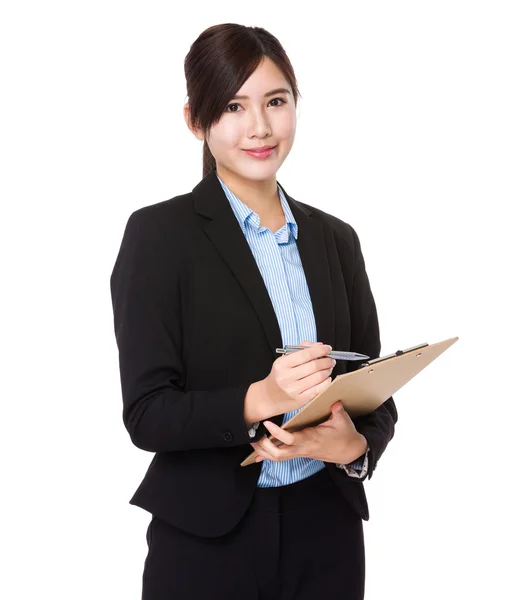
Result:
261,153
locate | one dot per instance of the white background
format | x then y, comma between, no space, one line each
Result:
409,110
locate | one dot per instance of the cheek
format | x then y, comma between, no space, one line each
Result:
285,127
226,136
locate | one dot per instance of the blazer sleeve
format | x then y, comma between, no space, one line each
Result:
378,427
158,413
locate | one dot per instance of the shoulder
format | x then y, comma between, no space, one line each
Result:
161,223
343,232
154,234
152,238
165,214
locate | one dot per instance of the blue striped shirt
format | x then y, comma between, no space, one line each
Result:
277,257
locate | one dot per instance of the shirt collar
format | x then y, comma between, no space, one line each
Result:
244,213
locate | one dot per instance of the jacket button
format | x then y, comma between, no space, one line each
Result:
227,436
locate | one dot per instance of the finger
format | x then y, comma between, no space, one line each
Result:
344,414
270,448
310,353
260,455
263,455
254,444
272,452
260,448
281,434
257,446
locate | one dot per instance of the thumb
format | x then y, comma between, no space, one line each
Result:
337,408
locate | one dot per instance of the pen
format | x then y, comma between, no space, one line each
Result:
337,354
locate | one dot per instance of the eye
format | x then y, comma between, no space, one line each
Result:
236,104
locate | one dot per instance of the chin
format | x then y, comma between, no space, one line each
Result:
259,172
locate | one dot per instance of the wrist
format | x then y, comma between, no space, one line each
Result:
356,449
254,404
362,445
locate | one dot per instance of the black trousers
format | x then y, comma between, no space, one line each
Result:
296,542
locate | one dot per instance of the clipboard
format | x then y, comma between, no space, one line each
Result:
364,389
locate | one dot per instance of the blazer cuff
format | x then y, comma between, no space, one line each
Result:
358,468
252,431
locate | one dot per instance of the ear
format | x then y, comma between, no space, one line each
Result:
186,115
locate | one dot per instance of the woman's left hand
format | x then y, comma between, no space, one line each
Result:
335,440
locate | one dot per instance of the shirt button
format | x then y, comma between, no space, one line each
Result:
227,436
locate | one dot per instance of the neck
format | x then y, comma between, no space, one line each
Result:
261,196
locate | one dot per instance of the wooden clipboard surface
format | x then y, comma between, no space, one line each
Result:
363,390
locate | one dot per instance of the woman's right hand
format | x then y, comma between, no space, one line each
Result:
296,378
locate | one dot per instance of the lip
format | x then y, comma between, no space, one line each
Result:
262,152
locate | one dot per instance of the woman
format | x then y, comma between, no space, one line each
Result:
205,287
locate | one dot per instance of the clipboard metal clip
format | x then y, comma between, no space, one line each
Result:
374,361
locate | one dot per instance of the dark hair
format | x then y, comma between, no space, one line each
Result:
218,63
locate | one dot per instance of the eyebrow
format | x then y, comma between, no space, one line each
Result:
271,93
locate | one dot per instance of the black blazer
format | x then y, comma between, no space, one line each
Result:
195,326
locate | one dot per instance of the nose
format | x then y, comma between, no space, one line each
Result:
259,125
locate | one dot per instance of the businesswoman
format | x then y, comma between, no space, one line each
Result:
205,287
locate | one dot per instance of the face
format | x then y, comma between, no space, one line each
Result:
261,119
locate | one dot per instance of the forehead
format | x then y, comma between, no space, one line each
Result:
266,77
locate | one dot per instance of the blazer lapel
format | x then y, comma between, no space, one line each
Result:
226,235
